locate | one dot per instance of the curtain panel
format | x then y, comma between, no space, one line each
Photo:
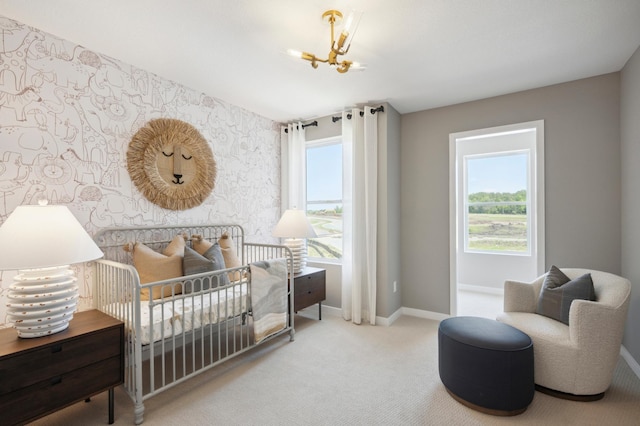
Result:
293,168
360,221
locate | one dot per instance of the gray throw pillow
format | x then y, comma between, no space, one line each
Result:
558,291
210,260
214,254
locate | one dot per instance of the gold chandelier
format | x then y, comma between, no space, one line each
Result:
338,47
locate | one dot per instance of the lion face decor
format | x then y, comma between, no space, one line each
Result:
171,164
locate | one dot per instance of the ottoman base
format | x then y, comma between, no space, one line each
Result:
485,410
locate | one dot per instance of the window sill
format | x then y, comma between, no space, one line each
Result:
324,262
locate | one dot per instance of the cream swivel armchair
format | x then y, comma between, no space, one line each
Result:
574,361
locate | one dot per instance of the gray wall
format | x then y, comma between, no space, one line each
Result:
582,173
630,135
388,254
326,128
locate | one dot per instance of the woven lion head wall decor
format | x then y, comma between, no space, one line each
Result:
171,164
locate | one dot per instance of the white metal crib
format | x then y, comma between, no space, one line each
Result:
173,338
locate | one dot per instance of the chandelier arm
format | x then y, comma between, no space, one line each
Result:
312,58
333,57
344,67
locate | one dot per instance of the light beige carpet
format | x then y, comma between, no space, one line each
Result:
337,373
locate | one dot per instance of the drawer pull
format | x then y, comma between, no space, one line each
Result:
56,381
56,349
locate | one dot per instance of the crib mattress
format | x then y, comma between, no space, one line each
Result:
184,313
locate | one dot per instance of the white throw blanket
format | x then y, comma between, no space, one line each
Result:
268,297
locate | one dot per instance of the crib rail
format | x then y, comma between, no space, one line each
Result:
111,240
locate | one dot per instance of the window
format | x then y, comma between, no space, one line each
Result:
324,198
497,218
499,188
496,204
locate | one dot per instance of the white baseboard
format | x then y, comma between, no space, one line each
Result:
633,364
389,320
326,310
481,289
436,316
384,321
334,312
337,312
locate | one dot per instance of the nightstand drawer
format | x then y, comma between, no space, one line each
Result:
309,289
58,391
56,359
310,284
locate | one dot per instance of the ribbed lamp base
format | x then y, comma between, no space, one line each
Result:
42,301
298,247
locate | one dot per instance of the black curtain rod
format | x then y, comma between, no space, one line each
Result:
373,111
313,123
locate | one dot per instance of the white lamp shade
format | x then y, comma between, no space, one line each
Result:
44,236
294,224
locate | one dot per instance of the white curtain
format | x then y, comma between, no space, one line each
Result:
293,170
360,204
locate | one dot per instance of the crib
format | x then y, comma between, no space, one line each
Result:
191,323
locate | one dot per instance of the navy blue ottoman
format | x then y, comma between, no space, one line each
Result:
486,365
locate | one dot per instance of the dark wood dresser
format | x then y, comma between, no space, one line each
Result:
309,288
42,375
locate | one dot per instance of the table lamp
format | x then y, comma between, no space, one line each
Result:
296,228
40,242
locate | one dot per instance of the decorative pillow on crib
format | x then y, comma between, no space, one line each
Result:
201,245
558,291
153,266
209,260
231,259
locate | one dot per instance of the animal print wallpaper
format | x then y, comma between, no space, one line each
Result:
67,114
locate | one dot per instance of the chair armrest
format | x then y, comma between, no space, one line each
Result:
596,329
519,297
594,325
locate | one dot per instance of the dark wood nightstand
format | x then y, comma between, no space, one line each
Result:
45,374
309,288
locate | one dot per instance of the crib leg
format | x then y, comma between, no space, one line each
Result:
139,413
292,335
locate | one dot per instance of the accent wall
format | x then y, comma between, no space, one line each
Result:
67,114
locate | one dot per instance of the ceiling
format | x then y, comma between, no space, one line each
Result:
419,54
